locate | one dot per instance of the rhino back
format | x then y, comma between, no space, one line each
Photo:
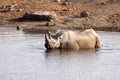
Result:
86,39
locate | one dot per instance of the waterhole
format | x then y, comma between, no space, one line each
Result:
24,57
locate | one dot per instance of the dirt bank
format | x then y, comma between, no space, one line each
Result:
104,15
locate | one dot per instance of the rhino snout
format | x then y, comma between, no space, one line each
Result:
47,46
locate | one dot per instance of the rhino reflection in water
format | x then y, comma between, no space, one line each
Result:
72,39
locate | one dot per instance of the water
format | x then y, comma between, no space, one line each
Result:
24,57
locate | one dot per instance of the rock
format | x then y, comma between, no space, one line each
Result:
7,8
14,4
19,10
4,9
57,0
40,16
11,7
50,23
103,3
84,14
18,27
82,27
65,3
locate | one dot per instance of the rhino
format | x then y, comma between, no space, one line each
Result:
66,39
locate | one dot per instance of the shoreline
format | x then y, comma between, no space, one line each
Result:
66,23
102,16
44,29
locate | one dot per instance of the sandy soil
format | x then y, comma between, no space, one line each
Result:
104,15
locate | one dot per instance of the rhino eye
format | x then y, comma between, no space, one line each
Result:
60,37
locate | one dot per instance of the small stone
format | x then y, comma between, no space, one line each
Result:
84,14
18,27
103,3
50,23
19,10
65,3
57,0
81,26
15,4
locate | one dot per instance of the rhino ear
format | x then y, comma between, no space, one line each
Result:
60,37
58,31
49,33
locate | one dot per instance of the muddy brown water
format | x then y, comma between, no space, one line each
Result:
24,57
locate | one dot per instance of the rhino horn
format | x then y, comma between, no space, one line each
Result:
49,34
46,37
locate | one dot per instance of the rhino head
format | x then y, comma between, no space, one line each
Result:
52,41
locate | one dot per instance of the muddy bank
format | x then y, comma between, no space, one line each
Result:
110,23
103,16
42,27
66,22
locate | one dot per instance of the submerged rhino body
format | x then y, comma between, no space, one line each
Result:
72,40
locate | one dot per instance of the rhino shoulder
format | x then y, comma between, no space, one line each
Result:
91,31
